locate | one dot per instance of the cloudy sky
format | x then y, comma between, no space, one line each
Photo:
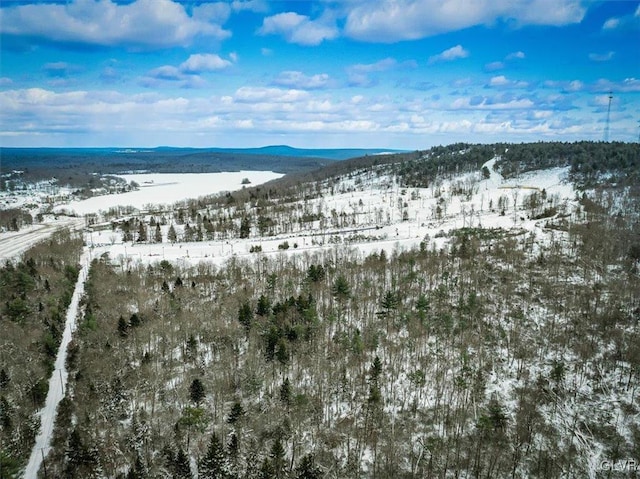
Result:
401,74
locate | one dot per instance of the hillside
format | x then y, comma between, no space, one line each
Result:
466,311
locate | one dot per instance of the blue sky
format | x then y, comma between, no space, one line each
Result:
404,74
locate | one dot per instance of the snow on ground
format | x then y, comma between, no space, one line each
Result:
14,243
58,379
376,204
168,188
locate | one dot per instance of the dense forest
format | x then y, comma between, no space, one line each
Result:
78,167
507,352
34,295
499,356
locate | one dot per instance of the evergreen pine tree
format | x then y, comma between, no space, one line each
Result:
4,379
264,306
196,391
341,289
282,353
76,454
267,470
191,347
171,235
307,469
285,392
237,411
376,369
138,471
245,227
142,232
214,464
5,415
181,467
9,466
134,320
277,459
158,234
245,316
123,327
233,446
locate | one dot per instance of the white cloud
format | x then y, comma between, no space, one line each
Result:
300,29
257,115
187,72
146,24
627,85
546,12
5,81
515,56
565,86
379,66
461,82
486,103
298,80
611,24
626,22
494,66
601,57
575,85
500,65
359,73
499,81
391,21
166,72
261,94
502,81
257,6
450,54
204,62
218,12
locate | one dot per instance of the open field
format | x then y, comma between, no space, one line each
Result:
168,188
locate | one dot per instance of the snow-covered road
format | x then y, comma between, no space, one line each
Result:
58,379
13,244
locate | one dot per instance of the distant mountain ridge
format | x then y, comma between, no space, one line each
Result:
327,153
76,166
269,150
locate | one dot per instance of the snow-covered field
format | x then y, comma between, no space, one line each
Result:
168,188
155,188
373,204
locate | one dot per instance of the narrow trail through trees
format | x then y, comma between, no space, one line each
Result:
58,379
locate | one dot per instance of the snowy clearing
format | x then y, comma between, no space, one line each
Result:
168,188
375,221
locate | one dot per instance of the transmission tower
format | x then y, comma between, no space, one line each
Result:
606,128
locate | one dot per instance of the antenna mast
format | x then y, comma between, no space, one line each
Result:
606,128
